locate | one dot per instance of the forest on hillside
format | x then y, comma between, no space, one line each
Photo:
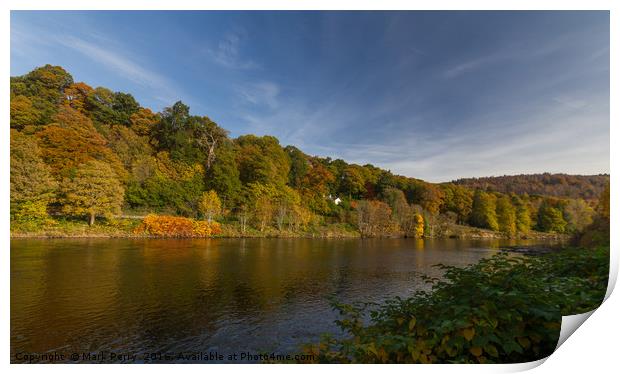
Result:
79,152
586,187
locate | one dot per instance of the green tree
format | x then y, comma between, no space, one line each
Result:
353,184
223,176
483,211
94,190
550,218
262,160
299,166
44,87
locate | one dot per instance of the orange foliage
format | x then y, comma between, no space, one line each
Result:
73,140
179,227
75,96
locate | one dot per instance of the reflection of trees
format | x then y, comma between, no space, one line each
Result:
165,294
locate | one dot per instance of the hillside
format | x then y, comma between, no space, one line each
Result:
92,154
586,187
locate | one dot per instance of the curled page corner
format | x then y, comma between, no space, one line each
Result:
570,324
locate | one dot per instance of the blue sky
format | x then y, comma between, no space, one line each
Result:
432,95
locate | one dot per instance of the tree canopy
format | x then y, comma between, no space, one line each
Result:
66,135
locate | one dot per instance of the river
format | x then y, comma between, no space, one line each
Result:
156,298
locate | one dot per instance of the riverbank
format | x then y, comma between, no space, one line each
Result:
126,228
473,314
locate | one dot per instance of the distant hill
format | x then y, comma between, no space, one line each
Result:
560,185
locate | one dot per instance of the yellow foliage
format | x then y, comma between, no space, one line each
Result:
476,351
469,333
179,227
418,228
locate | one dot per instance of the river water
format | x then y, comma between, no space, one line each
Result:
144,299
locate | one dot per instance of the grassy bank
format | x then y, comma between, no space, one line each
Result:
126,228
504,309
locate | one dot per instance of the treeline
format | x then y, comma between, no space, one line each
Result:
91,152
559,185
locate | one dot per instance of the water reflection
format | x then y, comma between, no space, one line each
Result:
229,295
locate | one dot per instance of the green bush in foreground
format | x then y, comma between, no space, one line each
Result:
500,310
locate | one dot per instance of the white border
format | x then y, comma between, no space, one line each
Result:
592,347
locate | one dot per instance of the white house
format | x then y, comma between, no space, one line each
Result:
336,200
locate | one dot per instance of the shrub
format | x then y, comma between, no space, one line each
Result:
503,309
180,227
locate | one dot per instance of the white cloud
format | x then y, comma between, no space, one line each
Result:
227,53
261,93
123,66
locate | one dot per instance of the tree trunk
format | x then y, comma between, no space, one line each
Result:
91,219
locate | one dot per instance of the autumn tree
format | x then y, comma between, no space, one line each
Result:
506,216
210,205
261,199
395,198
431,198
413,224
603,207
287,201
374,218
23,113
73,140
578,215
353,184
524,220
459,200
314,187
127,145
76,96
143,121
44,87
94,190
32,185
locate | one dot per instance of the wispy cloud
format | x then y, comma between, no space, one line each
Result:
467,66
108,54
261,94
227,53
115,61
570,102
